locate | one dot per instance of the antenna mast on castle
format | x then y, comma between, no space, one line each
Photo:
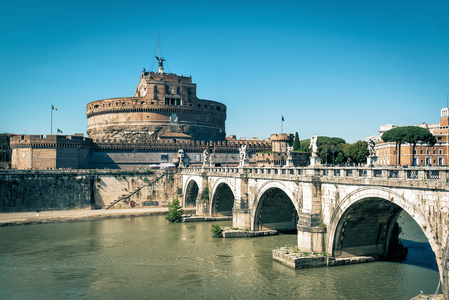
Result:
160,60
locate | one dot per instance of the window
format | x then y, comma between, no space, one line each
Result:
172,101
164,157
178,90
440,152
155,89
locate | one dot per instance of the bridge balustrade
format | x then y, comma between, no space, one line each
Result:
431,173
412,174
377,173
393,174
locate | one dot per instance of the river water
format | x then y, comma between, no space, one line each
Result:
148,258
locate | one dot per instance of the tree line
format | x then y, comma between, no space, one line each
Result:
335,150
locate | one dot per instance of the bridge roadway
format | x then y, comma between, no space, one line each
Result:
344,211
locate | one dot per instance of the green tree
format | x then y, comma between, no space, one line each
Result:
175,211
416,134
408,134
296,142
358,152
330,147
396,135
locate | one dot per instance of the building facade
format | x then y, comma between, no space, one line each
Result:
425,155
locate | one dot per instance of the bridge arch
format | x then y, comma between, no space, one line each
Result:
192,188
373,211
222,199
274,208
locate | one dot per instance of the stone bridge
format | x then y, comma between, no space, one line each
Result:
348,211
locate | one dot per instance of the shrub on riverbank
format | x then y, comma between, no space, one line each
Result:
217,231
175,211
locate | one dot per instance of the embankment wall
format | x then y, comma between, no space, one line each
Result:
23,191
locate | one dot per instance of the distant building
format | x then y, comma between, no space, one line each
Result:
278,156
425,155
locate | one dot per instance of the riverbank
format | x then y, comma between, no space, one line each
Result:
58,216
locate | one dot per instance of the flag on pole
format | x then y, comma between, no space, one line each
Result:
59,130
53,108
282,118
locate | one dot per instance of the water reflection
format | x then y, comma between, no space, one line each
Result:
148,258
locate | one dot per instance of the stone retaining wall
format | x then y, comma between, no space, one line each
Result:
23,191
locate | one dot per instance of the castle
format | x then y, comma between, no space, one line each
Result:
163,119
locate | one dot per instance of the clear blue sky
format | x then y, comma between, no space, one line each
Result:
335,68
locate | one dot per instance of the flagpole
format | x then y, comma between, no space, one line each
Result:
51,122
282,124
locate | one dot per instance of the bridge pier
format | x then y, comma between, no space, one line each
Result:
202,204
311,233
241,218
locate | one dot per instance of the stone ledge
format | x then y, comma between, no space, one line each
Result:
229,233
186,219
299,260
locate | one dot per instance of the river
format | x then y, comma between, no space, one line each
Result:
148,258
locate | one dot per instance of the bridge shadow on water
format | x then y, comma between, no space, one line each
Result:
419,254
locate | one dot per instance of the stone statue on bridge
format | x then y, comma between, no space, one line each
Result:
372,158
211,160
205,157
371,145
289,162
314,146
181,158
315,159
243,152
289,153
